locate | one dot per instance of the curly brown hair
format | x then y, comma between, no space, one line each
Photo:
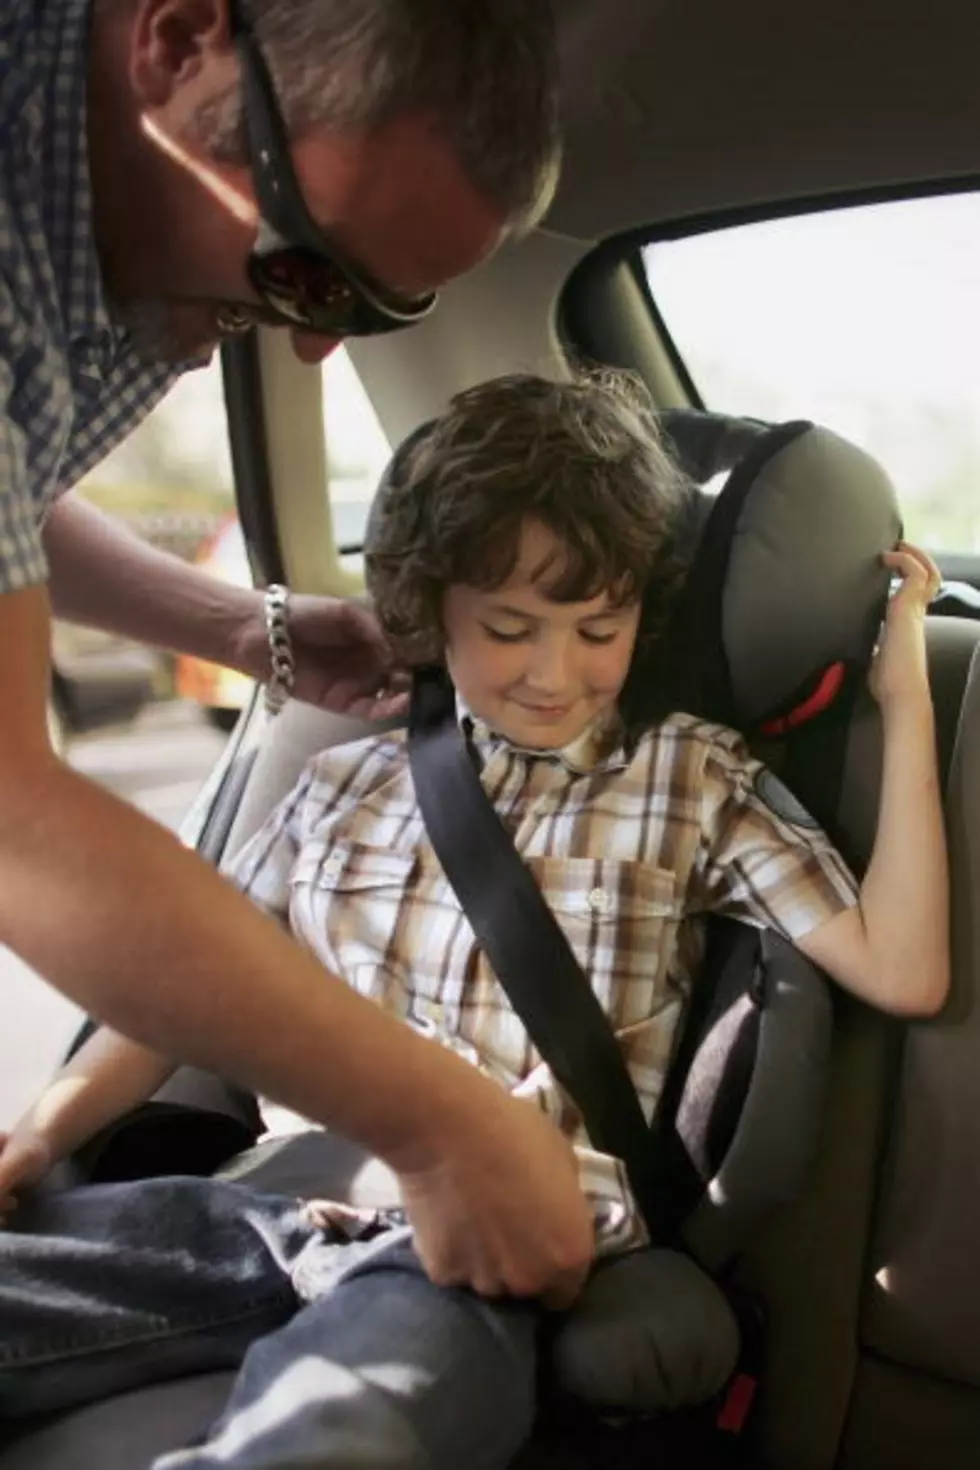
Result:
582,457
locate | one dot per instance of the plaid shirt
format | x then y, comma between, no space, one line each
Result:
71,385
629,850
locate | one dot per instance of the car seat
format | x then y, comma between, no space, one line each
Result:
800,545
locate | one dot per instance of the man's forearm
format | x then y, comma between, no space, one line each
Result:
105,577
148,938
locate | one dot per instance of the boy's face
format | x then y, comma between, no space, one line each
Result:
538,672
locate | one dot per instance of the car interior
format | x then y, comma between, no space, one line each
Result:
726,168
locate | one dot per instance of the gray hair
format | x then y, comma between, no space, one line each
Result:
485,69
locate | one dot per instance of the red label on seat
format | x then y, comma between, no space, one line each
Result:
735,1409
827,688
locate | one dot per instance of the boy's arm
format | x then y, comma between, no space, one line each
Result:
893,949
107,1076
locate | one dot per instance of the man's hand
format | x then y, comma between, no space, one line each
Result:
501,1210
343,661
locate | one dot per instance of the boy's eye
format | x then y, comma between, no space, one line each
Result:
499,636
590,636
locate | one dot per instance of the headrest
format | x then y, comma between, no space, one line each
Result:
786,589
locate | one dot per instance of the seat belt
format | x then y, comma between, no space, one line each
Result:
533,961
547,987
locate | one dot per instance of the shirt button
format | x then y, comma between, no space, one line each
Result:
600,900
332,866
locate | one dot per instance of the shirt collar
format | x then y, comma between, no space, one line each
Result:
600,747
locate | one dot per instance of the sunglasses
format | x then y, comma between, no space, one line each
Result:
302,280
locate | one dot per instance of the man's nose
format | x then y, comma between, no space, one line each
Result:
311,348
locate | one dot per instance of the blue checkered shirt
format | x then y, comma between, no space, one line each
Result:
71,383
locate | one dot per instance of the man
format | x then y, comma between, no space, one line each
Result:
151,200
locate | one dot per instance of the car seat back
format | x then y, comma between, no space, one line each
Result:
831,1398
916,1398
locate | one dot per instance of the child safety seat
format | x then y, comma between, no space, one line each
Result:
736,1123
772,635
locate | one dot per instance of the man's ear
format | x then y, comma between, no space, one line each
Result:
174,43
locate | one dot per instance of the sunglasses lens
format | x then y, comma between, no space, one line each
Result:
305,289
314,293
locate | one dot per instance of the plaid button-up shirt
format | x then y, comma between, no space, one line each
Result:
71,383
630,850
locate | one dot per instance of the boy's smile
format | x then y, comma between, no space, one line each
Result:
538,672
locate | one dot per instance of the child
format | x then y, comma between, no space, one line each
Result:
528,539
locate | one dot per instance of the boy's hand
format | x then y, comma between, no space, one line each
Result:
900,669
25,1157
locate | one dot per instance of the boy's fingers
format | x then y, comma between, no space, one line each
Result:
913,562
921,578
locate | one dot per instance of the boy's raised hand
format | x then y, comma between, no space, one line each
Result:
900,670
24,1158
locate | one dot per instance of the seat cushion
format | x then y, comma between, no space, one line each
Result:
126,1432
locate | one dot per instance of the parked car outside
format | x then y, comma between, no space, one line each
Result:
97,679
221,693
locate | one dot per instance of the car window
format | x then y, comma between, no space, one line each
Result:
866,319
357,452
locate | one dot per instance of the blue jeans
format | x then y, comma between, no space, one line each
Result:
351,1355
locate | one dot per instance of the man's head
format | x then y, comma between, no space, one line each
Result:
528,538
419,135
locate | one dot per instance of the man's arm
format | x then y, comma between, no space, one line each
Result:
147,937
105,577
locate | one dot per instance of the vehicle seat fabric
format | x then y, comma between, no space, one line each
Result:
824,1386
921,1306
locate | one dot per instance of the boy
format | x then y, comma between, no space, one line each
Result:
528,539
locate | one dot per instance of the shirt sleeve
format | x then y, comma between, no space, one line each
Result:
263,868
338,779
761,857
22,559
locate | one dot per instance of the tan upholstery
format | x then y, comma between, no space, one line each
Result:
827,1395
924,1304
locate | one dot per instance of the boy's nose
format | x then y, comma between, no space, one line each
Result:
549,672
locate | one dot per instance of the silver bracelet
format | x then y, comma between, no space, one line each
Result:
279,685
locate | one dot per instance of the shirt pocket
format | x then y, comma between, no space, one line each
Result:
620,919
346,903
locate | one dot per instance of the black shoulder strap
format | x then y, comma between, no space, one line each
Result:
529,952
